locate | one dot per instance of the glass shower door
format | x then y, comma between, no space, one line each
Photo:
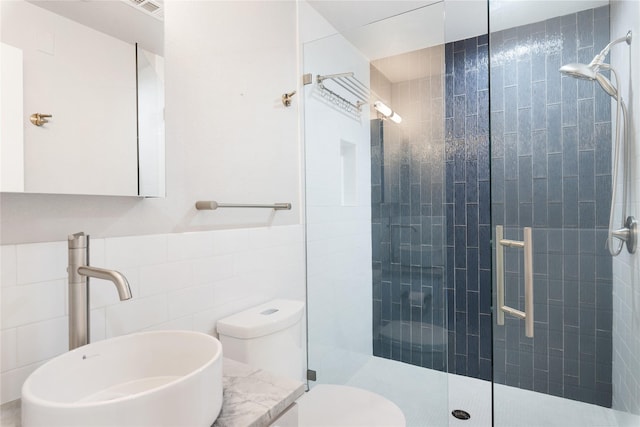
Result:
375,209
550,199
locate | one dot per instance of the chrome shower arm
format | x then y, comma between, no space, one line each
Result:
598,60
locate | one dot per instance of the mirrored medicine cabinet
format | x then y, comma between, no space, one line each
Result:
82,98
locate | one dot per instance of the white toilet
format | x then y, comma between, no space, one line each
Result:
269,337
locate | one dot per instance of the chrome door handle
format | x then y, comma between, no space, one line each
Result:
527,245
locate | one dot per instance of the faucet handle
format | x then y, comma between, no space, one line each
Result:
77,240
628,234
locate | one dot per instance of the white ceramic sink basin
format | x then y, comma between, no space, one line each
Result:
164,378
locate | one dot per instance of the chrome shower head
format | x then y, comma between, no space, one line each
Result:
579,71
592,71
589,72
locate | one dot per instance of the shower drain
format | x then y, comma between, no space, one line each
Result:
460,414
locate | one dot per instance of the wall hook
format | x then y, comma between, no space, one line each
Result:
39,119
286,98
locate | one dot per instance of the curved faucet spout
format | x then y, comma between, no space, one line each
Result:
79,269
122,285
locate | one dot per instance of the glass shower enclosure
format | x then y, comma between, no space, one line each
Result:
375,200
458,190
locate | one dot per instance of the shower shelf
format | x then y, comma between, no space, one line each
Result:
353,93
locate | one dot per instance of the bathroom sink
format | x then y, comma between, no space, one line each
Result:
163,378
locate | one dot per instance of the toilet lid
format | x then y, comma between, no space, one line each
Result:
329,405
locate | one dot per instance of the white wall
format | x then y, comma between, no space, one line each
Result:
625,15
228,136
339,283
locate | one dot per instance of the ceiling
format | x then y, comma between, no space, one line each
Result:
349,14
114,17
381,29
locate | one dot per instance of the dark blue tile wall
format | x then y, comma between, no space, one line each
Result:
409,229
443,214
467,207
551,170
408,256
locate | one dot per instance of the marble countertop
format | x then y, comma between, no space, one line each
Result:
252,398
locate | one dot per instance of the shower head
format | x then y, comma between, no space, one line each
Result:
592,71
579,71
589,72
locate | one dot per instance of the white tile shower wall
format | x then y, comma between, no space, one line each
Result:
625,15
179,281
338,230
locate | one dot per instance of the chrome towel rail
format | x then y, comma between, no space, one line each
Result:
213,205
349,86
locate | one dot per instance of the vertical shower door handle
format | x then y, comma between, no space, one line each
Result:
526,244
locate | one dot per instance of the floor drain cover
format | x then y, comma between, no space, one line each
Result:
460,414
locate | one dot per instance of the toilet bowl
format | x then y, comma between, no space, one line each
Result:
269,337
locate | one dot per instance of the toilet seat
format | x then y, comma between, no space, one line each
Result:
338,405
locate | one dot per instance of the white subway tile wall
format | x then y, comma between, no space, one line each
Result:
179,281
626,267
338,230
8,266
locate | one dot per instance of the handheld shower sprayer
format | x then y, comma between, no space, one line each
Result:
628,233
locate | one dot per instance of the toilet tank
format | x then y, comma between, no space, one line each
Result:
268,336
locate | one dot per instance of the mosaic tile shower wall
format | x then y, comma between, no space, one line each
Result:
551,170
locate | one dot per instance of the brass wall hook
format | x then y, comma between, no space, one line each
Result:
286,98
39,119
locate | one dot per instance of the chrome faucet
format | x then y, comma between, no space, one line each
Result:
79,273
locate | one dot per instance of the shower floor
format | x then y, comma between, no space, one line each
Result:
423,393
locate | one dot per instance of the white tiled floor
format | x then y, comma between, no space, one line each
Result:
427,398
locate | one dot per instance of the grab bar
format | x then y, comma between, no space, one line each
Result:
526,244
213,205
